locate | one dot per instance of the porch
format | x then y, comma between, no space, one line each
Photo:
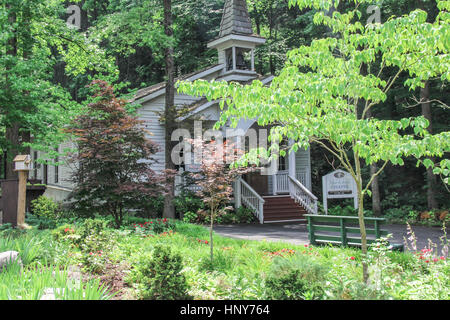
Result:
282,197
279,192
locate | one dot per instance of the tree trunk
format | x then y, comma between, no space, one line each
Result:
12,138
258,32
211,244
169,114
376,201
431,178
362,225
12,130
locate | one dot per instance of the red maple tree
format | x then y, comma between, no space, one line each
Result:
113,163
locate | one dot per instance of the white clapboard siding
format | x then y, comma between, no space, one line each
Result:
303,164
56,189
150,113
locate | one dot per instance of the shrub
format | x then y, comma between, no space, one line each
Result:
348,210
241,215
190,217
41,223
92,235
244,215
151,207
63,232
159,276
45,207
401,214
295,278
6,227
157,226
188,202
93,240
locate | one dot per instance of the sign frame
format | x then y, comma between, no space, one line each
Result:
331,188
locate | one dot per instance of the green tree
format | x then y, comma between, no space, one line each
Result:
33,108
316,97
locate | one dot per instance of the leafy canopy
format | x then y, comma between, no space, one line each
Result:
322,95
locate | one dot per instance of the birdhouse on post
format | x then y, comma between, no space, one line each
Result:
22,164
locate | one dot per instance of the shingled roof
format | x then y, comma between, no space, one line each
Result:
235,19
156,87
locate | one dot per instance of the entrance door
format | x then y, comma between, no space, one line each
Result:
258,182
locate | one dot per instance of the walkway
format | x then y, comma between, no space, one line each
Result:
298,234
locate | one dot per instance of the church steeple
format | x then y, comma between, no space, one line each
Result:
235,19
236,42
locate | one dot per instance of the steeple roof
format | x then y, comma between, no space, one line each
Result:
235,19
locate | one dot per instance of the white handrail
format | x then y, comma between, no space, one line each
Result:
302,195
252,200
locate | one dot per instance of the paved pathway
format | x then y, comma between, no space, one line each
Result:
298,234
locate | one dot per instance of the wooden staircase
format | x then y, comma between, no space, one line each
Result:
283,209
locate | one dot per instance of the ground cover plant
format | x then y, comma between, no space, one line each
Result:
327,90
241,269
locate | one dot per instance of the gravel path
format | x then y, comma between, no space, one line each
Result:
298,234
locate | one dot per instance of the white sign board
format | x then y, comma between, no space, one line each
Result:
337,185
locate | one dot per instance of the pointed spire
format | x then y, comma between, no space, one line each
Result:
235,19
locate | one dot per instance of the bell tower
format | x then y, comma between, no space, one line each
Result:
236,42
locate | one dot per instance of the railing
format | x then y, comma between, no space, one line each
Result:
302,177
281,182
302,195
251,199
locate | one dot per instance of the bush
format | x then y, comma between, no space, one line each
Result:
241,215
157,226
295,278
348,210
401,215
190,217
151,207
94,241
188,202
41,223
63,232
160,226
6,227
44,207
159,276
244,215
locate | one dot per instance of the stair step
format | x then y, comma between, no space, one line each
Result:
282,205
271,212
283,208
283,218
284,213
277,200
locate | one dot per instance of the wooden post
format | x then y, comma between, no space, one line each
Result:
237,192
22,165
377,230
253,59
343,233
234,58
312,239
21,201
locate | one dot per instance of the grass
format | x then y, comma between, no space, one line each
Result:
238,271
31,283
